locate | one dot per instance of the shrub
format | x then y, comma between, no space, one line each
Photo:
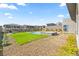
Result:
70,48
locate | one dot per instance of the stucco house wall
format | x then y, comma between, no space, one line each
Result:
71,25
77,19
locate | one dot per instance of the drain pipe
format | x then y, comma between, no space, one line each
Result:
77,25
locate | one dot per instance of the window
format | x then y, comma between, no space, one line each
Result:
65,27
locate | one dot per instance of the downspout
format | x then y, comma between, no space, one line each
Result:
77,24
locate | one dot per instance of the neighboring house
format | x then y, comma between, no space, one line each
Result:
12,28
69,26
43,28
32,28
59,24
53,27
21,28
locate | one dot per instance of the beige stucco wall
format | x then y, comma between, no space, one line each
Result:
77,16
71,25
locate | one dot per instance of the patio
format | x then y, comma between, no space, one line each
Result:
43,47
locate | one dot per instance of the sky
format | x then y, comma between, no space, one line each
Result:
32,13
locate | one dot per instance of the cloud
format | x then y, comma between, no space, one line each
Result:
30,12
10,17
7,14
8,6
60,16
62,4
22,4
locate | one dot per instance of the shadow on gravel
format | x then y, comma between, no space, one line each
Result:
5,45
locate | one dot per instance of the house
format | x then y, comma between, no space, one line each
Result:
69,26
10,28
53,27
73,9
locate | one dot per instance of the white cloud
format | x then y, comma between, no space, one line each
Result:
10,17
8,6
22,4
8,14
60,16
62,4
12,7
30,12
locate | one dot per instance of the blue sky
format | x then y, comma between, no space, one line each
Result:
32,13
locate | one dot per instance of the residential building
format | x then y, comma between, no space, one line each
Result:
53,27
12,28
21,28
69,26
73,9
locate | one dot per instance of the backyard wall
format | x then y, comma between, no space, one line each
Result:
0,28
0,32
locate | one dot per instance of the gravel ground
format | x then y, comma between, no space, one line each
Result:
42,47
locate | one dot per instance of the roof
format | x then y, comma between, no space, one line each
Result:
51,24
72,10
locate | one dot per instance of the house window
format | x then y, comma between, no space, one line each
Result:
65,27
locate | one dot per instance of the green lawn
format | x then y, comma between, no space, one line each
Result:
25,37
